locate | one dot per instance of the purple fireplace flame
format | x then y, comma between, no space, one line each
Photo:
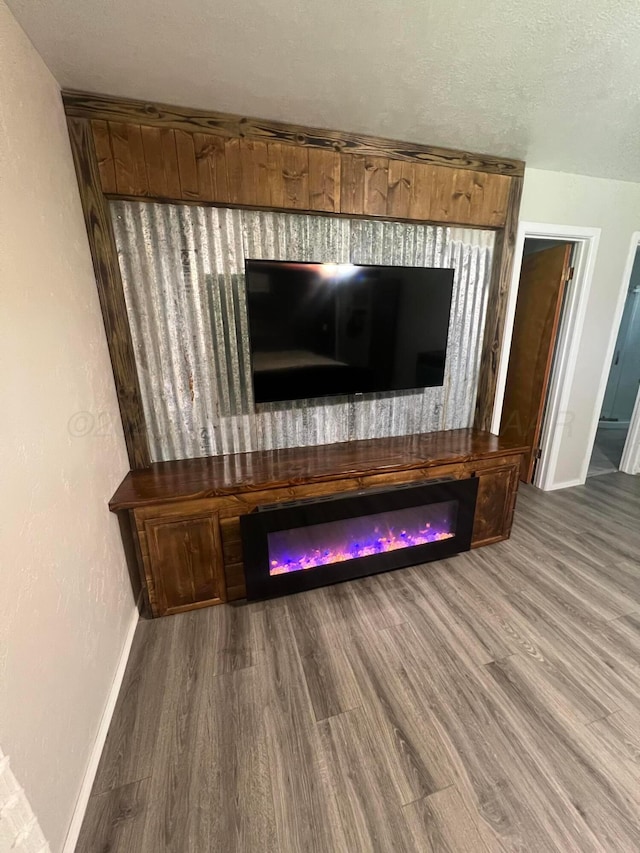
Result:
302,548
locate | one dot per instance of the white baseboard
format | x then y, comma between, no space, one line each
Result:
94,759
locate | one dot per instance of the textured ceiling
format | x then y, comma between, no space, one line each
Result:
556,83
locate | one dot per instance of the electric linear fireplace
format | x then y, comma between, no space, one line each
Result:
309,543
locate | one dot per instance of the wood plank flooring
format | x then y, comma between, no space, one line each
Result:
490,702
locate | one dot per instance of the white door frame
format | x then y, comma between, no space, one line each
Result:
630,462
570,333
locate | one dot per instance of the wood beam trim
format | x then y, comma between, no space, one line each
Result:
503,258
107,108
110,291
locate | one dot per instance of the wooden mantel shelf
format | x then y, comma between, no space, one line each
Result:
216,476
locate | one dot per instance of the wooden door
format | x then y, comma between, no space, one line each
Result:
542,285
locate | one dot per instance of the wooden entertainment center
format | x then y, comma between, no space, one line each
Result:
185,514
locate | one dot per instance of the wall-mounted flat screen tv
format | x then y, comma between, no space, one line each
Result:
320,330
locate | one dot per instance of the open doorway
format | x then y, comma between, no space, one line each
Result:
547,268
622,386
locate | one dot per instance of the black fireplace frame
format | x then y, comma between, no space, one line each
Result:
256,526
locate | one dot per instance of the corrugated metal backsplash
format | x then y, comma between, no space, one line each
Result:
183,276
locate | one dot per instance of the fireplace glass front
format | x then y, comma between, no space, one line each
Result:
295,546
302,548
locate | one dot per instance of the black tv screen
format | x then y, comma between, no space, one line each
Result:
332,329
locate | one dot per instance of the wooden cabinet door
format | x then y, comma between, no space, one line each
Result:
495,504
185,563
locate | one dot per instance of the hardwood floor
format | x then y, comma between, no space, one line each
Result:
490,702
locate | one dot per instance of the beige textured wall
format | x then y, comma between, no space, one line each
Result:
613,206
65,597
